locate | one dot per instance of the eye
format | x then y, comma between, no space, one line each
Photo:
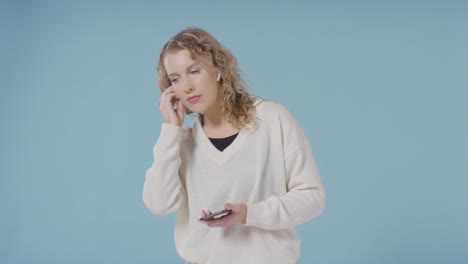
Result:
174,80
195,71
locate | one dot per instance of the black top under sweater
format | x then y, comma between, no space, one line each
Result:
223,143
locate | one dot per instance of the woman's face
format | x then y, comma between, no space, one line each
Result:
194,82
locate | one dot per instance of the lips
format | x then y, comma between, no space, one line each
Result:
194,99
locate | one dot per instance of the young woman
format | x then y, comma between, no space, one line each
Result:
242,154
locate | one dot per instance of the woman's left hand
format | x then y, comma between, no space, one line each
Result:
238,215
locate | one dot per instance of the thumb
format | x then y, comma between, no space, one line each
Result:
228,206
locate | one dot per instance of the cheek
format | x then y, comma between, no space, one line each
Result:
178,92
204,79
208,84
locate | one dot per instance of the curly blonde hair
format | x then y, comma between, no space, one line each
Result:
237,104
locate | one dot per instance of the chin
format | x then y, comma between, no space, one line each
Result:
195,109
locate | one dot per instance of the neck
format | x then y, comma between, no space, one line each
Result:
213,117
216,125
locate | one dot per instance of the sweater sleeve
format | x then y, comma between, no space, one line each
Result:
304,199
162,189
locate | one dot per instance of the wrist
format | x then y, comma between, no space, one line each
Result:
173,124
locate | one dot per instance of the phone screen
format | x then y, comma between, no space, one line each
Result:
216,215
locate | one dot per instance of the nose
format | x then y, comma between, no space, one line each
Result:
188,85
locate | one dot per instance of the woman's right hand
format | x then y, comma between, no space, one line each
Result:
166,106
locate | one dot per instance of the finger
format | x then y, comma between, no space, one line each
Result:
203,213
169,105
180,109
168,90
217,222
170,97
163,100
165,94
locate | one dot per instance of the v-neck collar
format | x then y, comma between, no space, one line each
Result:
211,151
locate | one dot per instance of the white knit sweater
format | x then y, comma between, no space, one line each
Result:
270,168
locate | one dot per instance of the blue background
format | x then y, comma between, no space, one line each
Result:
380,88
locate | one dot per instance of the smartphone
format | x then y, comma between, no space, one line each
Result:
216,215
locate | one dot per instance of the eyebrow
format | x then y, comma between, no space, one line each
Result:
190,66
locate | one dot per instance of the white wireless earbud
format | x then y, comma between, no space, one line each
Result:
219,77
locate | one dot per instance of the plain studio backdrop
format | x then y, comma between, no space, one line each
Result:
379,87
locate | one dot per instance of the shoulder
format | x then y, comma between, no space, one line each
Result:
271,108
277,118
